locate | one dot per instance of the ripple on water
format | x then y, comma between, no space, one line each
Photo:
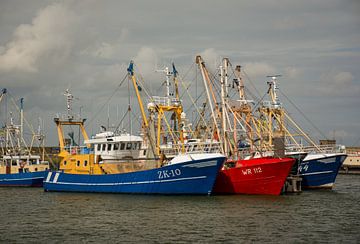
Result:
31,215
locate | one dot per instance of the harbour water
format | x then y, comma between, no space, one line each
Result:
30,215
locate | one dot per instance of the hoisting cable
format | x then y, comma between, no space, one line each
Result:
107,101
307,119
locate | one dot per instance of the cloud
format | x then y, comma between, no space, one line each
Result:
146,60
292,72
289,23
337,134
338,83
108,50
47,37
104,50
211,58
259,69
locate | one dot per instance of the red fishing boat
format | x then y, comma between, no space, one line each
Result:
264,176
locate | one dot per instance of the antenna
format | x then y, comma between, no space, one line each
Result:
69,99
273,88
168,75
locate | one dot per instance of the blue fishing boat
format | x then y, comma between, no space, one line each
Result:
115,163
320,170
322,163
23,179
185,174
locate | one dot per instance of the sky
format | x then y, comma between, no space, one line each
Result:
47,47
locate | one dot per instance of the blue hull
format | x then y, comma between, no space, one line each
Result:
192,177
23,179
320,172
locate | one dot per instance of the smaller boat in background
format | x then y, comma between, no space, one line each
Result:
22,170
18,166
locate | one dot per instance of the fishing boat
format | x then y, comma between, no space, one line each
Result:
319,170
22,170
321,165
115,164
262,175
18,166
265,176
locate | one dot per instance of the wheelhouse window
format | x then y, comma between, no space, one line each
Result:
103,147
122,146
98,147
116,146
109,147
128,146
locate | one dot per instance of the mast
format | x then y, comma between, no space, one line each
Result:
244,111
177,96
208,87
21,118
147,123
161,105
69,120
136,87
223,108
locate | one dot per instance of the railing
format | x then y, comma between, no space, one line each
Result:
165,101
66,117
190,148
317,148
270,104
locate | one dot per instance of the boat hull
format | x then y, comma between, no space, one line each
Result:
320,171
259,176
192,177
34,179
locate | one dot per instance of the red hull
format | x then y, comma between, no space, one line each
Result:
265,176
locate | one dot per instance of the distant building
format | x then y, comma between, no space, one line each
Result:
327,142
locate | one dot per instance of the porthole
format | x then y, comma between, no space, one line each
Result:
78,163
85,163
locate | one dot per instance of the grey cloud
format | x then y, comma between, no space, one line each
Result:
48,46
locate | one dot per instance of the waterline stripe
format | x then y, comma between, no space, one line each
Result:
130,183
22,179
317,173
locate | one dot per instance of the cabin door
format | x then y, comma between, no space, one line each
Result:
8,167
